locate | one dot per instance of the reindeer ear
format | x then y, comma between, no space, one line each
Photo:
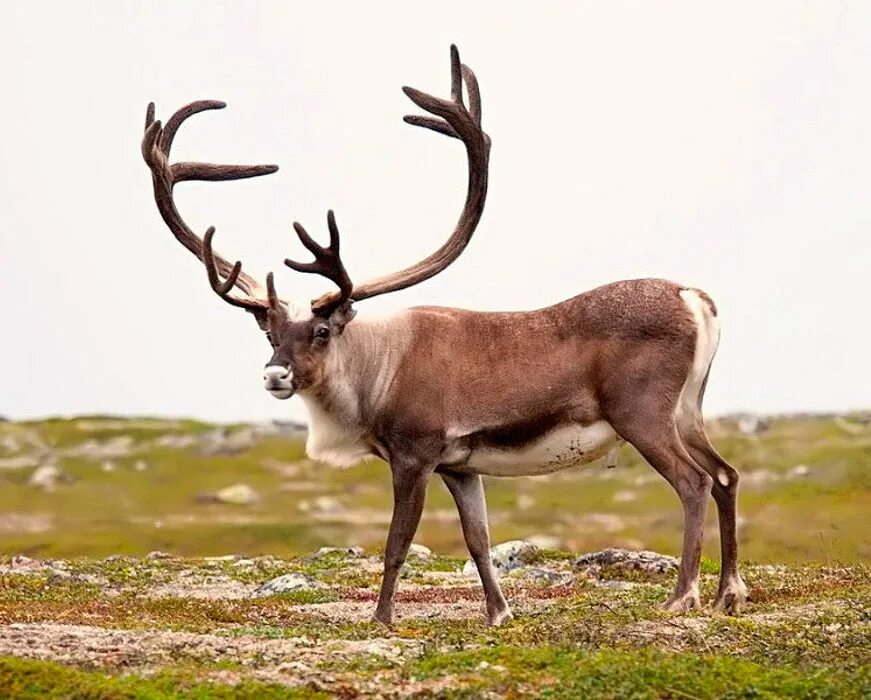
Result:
342,316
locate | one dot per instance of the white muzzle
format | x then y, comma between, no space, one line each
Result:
278,381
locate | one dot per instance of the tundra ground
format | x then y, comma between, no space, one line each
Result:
84,613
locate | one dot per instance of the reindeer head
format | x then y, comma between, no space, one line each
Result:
303,338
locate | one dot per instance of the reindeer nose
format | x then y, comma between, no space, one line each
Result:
275,373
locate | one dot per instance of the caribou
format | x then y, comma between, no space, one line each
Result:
460,393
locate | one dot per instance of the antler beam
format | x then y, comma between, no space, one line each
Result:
156,146
454,119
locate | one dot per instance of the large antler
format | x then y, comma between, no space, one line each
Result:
327,263
156,145
459,122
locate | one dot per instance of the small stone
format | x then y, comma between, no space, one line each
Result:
626,559
419,551
108,466
287,583
549,577
798,471
22,563
140,465
350,552
328,504
219,442
507,557
45,477
157,554
119,446
625,496
237,494
176,442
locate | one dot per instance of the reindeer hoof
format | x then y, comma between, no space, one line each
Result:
731,597
497,618
683,603
385,618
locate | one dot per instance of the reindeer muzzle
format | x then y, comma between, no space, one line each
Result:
278,381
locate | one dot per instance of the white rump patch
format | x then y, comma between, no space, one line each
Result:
707,339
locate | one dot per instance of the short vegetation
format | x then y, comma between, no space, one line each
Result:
134,549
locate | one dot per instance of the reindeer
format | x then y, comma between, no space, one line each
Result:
465,393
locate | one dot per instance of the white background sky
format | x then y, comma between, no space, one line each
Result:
724,148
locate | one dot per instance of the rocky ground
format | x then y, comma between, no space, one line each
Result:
115,582
585,626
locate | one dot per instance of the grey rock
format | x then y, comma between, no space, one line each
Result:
237,494
46,476
287,583
222,442
419,551
349,552
798,471
507,557
157,555
115,447
175,441
22,563
549,577
626,559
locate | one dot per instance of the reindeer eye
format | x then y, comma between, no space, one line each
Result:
322,333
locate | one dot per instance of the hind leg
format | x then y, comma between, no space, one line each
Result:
659,443
732,591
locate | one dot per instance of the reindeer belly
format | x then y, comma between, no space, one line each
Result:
560,448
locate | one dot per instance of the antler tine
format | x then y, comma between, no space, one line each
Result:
180,116
156,145
456,76
327,263
474,93
222,289
149,115
270,291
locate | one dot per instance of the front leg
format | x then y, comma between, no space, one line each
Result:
409,492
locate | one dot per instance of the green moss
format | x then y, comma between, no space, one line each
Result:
39,680
569,672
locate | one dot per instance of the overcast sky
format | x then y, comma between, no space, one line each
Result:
727,149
